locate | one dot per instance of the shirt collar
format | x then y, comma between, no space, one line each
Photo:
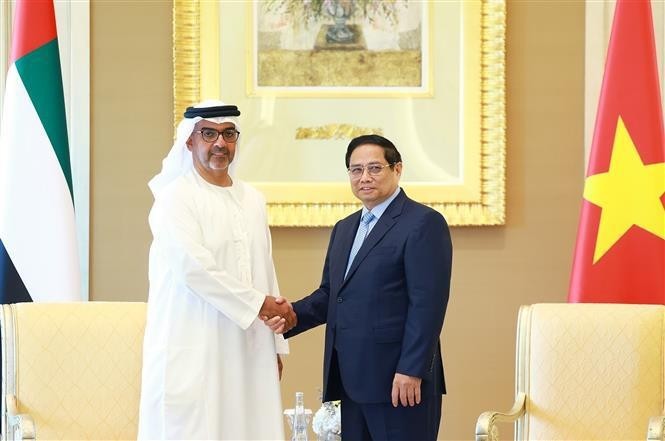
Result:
379,209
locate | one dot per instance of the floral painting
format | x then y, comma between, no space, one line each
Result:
340,44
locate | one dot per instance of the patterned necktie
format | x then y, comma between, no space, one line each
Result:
360,237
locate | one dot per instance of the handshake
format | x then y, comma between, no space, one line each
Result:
277,313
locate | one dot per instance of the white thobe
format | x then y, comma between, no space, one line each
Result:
209,365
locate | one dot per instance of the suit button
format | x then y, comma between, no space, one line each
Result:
339,300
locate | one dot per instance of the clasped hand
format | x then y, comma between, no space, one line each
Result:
277,313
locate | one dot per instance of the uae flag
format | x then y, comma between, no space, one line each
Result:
620,252
38,252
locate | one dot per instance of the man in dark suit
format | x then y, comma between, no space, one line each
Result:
383,296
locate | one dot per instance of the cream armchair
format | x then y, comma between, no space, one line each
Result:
71,370
586,372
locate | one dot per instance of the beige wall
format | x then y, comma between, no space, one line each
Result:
495,268
131,119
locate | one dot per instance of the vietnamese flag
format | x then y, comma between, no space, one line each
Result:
620,252
38,251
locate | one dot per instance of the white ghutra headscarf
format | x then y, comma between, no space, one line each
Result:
179,159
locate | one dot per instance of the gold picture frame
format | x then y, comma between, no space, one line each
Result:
475,197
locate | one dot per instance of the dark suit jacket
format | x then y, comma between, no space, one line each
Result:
387,315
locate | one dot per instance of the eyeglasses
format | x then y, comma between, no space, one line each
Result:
356,171
211,135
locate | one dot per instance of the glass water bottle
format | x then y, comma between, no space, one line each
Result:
299,432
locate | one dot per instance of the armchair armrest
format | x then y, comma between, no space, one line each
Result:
486,429
21,424
655,430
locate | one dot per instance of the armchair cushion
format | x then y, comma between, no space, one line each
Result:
588,371
74,368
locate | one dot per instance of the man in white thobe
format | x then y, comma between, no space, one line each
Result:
210,366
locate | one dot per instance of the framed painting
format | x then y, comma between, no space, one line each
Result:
333,47
309,75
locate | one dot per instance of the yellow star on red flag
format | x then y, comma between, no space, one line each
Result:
620,248
629,193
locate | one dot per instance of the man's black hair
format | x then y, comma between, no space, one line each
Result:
390,152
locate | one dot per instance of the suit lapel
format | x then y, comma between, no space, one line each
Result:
346,237
385,223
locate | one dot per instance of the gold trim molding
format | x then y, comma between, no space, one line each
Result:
190,87
334,131
186,56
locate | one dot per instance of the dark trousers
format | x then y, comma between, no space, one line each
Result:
382,421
